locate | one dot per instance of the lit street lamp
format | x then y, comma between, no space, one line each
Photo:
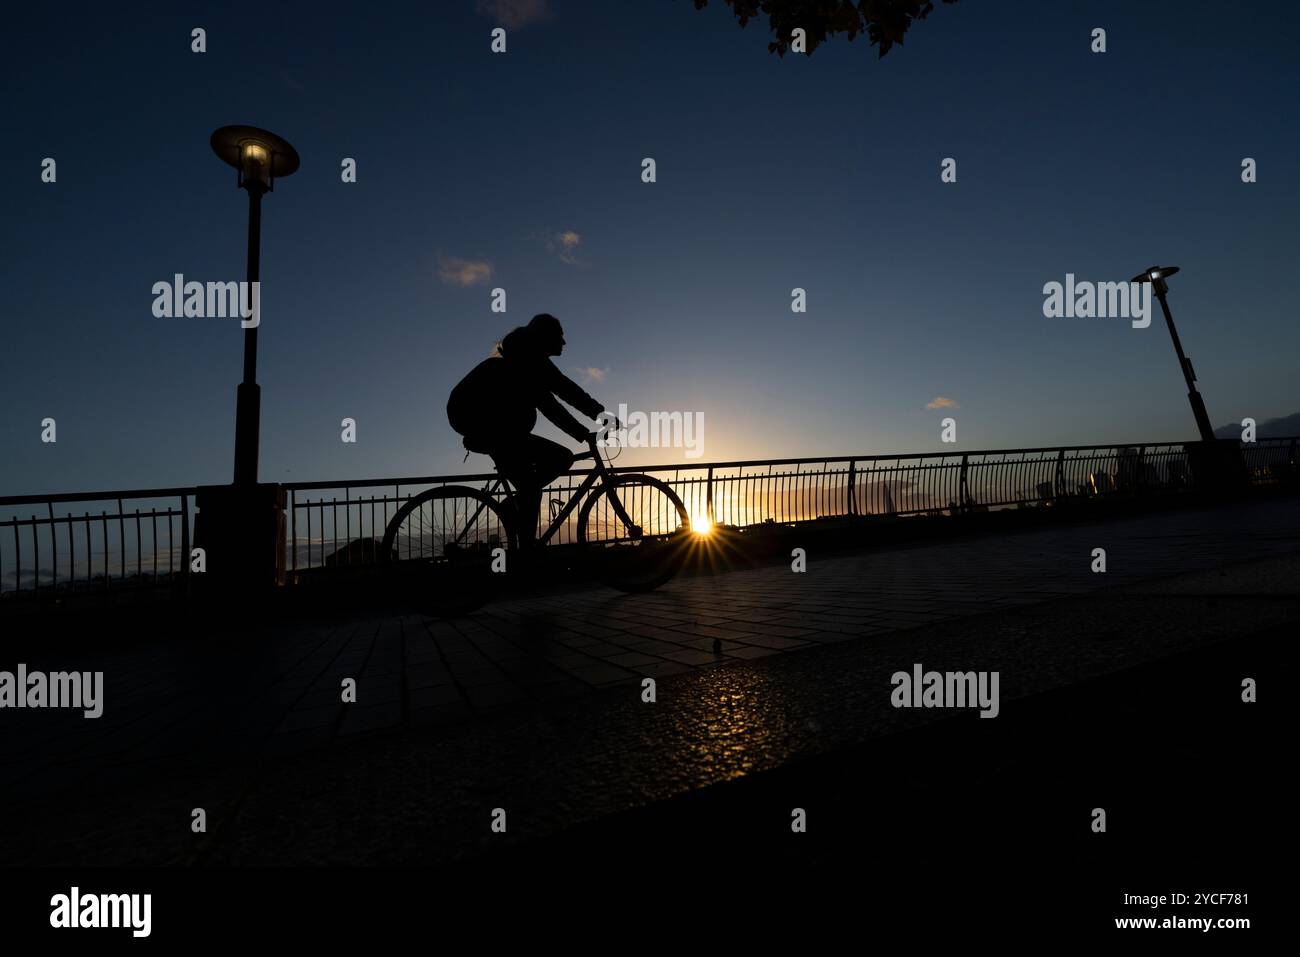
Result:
1157,276
240,527
260,157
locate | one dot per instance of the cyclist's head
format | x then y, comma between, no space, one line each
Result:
543,336
547,333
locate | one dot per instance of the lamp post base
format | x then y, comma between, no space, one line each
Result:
1218,467
241,531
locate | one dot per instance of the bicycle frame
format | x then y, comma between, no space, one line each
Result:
600,471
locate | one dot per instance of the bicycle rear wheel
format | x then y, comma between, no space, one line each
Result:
650,552
446,550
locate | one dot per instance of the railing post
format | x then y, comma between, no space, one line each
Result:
185,540
708,496
293,529
1060,475
121,540
54,547
103,514
853,491
963,491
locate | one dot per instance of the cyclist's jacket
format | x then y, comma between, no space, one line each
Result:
502,396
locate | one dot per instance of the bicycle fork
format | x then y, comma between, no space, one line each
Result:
634,531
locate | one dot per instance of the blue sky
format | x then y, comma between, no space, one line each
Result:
819,172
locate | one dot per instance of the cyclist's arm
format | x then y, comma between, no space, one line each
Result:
572,393
558,414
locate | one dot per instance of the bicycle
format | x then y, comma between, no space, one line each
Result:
450,546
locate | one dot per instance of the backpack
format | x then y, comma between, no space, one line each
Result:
488,401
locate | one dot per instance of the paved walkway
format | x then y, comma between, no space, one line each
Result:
257,693
548,648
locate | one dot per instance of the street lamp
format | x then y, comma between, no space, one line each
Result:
259,157
1157,276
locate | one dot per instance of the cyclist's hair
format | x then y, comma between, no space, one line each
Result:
524,338
514,342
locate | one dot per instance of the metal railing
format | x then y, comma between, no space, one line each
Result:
1271,461
337,523
53,544
89,540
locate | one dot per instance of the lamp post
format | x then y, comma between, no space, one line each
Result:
240,527
1157,276
259,157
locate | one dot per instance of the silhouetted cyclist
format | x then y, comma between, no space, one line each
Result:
495,408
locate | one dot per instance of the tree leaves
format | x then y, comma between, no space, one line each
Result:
885,22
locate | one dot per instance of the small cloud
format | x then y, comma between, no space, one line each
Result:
565,244
513,14
463,272
940,402
592,374
292,81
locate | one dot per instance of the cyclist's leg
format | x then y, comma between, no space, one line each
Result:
530,463
514,463
535,462
549,459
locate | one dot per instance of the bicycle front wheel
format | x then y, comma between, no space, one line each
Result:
645,551
446,549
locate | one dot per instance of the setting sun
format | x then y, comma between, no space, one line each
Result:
700,523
